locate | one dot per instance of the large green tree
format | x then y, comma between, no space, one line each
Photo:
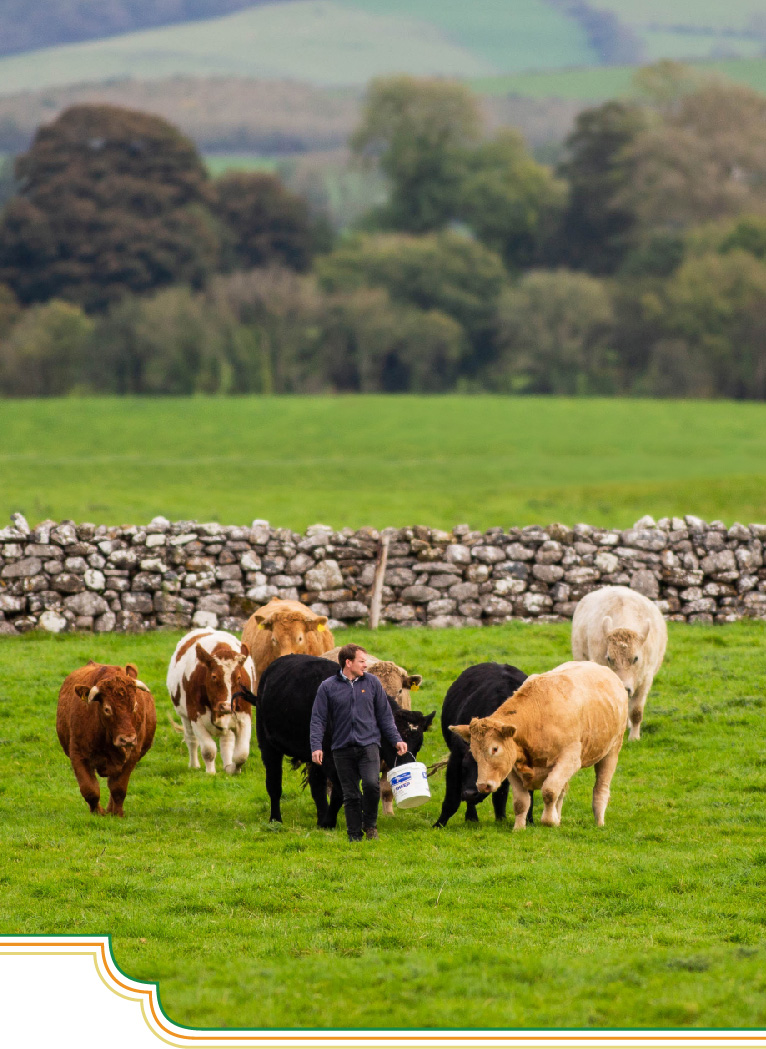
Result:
595,229
704,160
110,201
47,353
713,329
555,331
511,202
419,131
265,223
447,272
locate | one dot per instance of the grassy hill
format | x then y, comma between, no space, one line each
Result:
598,83
323,42
382,460
694,28
345,42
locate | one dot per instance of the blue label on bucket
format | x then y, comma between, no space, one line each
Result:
401,778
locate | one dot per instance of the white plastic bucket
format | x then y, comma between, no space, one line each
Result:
409,784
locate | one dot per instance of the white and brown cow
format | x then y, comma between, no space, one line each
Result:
206,678
573,717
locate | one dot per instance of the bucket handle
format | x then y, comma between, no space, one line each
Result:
412,758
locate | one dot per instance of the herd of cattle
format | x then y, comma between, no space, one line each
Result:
503,728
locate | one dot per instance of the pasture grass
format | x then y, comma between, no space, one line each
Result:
381,460
219,164
599,83
656,920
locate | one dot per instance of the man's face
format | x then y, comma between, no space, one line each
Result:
356,667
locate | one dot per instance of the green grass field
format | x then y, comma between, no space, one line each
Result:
597,84
656,920
219,163
381,460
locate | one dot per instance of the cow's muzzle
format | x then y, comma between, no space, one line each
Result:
125,742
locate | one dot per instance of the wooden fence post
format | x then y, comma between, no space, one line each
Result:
377,588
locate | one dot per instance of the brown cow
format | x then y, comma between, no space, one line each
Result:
554,724
283,628
105,722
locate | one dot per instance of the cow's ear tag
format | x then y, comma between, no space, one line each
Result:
260,626
320,628
414,688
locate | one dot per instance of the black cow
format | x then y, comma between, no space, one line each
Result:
286,692
477,693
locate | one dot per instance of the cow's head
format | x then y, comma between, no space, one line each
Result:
625,653
493,749
411,726
292,631
117,703
396,681
223,675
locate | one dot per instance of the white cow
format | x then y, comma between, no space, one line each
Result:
622,629
206,678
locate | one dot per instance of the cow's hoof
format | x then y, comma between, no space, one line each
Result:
232,769
441,826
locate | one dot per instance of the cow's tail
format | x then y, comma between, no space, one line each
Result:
299,763
177,726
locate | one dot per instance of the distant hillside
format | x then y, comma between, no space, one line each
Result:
323,42
26,26
443,37
708,29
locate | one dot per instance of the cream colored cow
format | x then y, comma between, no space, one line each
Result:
570,718
623,630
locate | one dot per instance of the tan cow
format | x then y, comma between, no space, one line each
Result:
554,724
283,628
623,630
396,681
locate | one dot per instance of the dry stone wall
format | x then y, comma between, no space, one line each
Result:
62,576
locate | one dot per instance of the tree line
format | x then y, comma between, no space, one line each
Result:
636,266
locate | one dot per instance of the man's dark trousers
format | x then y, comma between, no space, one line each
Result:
354,763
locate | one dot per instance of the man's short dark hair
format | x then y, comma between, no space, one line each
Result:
349,652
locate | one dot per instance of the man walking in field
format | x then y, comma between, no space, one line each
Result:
355,707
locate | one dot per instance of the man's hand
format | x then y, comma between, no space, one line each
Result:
316,757
401,747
